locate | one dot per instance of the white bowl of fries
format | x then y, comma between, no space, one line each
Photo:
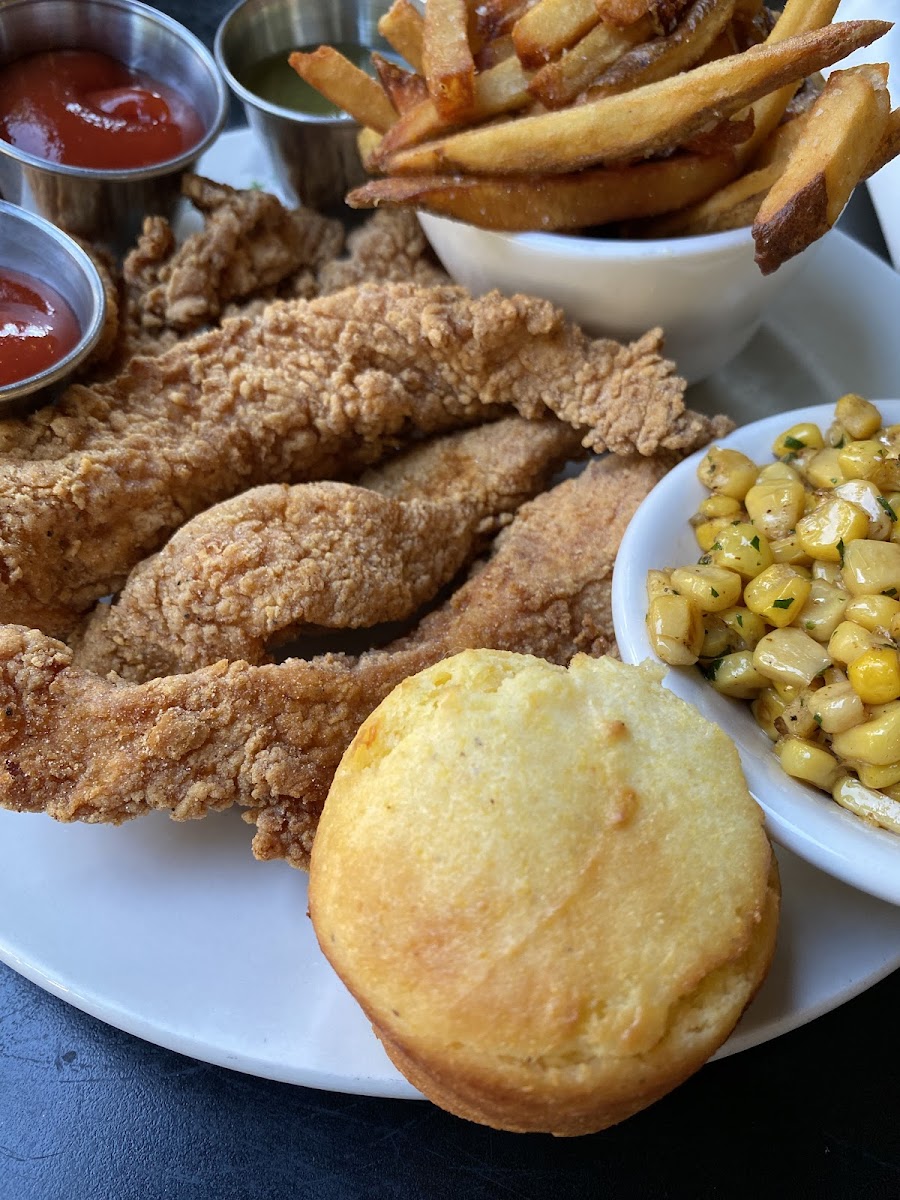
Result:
802,817
700,128
706,291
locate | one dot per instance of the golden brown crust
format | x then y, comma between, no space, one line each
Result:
616,919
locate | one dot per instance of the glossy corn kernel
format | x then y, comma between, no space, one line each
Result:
861,459
746,627
876,742
775,506
828,530
777,594
675,629
798,719
717,638
829,571
710,587
767,708
719,505
823,469
875,675
808,761
858,416
870,805
837,707
804,436
823,611
789,549
879,777
707,532
790,657
871,567
887,477
864,493
727,471
735,675
873,612
849,641
659,583
742,548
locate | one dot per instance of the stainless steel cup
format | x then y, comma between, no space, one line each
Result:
99,205
35,247
315,157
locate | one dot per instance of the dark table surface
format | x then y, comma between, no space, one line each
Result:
88,1112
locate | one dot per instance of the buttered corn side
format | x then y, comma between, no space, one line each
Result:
794,604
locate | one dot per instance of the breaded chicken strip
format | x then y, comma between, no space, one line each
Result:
253,571
80,747
310,390
389,246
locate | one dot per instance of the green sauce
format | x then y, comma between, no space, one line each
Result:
275,80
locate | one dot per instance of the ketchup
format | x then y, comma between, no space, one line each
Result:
86,109
37,327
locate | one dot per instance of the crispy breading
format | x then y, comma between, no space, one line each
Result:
389,246
81,747
255,571
310,390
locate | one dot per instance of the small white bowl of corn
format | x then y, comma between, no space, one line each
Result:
765,572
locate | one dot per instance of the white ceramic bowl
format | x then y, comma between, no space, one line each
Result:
805,820
706,292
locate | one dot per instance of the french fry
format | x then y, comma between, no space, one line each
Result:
844,128
551,202
888,147
492,53
403,88
649,120
559,83
345,85
722,137
368,142
492,19
502,89
663,15
552,26
448,65
663,57
403,27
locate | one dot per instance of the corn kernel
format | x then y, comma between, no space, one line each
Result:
659,583
837,707
775,506
719,505
864,493
746,627
823,610
777,594
735,675
829,571
778,470
823,469
790,550
871,567
875,675
710,587
879,777
861,459
804,436
742,548
876,742
850,640
727,471
707,532
873,612
790,656
717,638
870,805
858,416
767,708
808,761
826,532
798,719
675,629
887,477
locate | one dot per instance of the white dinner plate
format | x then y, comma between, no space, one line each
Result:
174,933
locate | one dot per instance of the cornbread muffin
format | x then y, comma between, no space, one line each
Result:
549,889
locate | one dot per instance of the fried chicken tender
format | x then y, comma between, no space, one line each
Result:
249,242
256,570
81,747
310,390
390,246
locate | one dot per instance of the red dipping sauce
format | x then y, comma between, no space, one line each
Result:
86,109
37,327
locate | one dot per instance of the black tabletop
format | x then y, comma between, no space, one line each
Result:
88,1112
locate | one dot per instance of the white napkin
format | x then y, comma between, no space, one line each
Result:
884,187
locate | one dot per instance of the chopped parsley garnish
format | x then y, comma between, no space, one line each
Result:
793,443
754,541
716,546
840,550
885,504
817,717
740,620
714,592
889,592
708,670
785,603
809,624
